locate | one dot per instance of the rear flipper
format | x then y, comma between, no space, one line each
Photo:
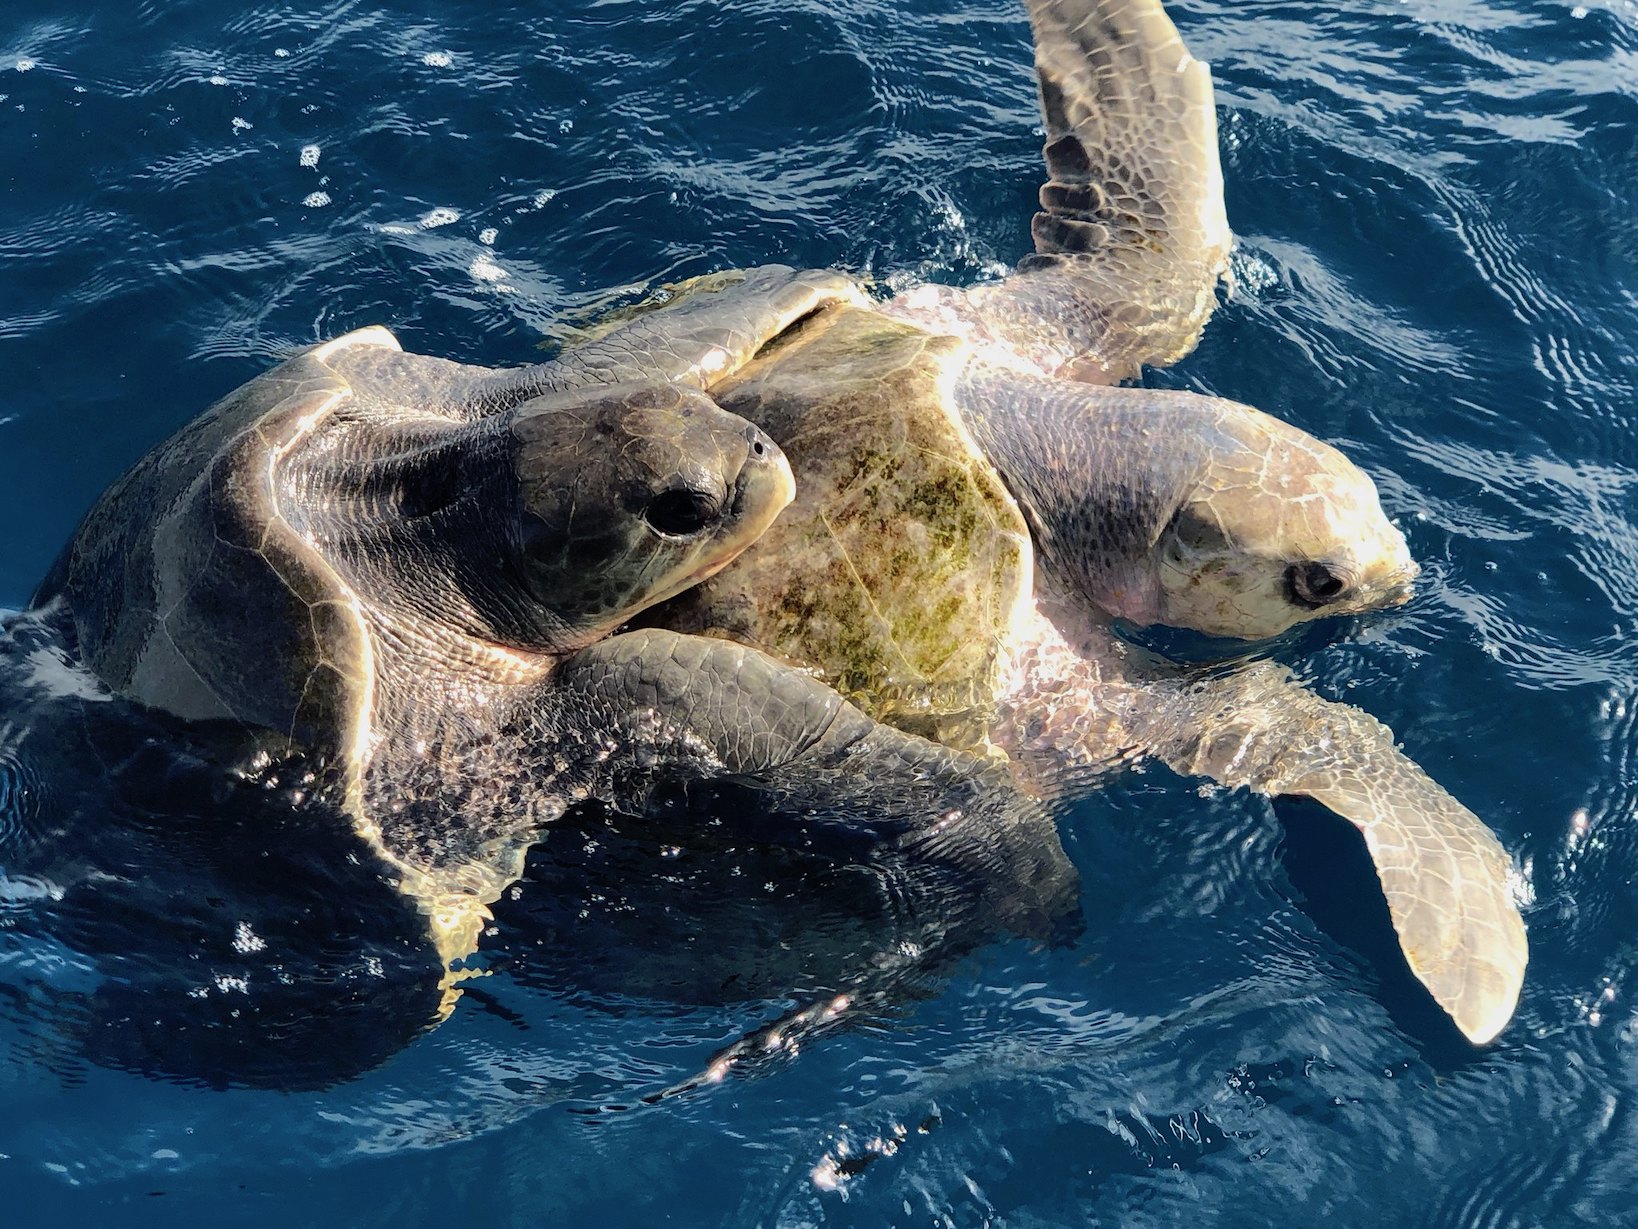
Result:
1132,235
1444,873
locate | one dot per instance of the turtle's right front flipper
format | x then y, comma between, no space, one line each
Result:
705,329
1132,235
1444,873
702,709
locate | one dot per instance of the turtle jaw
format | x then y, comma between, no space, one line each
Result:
1391,582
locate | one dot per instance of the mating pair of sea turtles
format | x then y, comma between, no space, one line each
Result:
413,574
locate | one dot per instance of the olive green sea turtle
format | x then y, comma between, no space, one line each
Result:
974,504
402,601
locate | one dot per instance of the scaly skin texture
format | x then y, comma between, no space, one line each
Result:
1077,701
1132,236
1443,872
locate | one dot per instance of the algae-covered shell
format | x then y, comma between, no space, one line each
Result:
899,569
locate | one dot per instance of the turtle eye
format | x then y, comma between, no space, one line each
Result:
682,513
1313,584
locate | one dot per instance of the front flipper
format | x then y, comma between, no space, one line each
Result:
1444,873
1132,235
702,709
707,328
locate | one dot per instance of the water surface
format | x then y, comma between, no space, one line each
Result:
1437,269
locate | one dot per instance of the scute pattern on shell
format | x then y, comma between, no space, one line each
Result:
901,565
208,604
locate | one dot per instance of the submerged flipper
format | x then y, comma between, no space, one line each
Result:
1132,236
1444,873
709,709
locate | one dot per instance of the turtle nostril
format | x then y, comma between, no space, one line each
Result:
681,513
757,441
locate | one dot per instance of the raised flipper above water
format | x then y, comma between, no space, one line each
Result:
1444,874
1132,234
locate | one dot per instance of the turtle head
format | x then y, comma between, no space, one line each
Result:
1168,507
629,494
1275,528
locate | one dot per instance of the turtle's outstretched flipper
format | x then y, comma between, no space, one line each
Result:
700,331
1444,873
1132,236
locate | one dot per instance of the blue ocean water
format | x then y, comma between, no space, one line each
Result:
1437,211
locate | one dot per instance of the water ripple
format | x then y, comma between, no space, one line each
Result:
1437,269
21,798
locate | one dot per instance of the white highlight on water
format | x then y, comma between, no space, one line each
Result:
441,216
316,200
56,676
27,890
247,940
309,155
437,59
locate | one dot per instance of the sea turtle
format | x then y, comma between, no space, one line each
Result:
345,559
401,603
975,503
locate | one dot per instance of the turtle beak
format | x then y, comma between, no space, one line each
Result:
764,486
1391,578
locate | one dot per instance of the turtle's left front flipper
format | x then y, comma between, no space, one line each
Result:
1444,873
1132,235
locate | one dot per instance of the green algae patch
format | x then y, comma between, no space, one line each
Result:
896,571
